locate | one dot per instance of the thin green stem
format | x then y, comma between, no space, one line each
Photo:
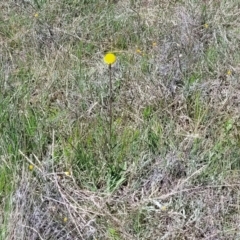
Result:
110,108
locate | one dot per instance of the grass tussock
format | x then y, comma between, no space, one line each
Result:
170,169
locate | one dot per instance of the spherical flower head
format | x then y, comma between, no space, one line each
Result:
30,167
109,58
138,51
164,208
67,173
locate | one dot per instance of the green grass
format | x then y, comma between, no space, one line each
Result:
171,170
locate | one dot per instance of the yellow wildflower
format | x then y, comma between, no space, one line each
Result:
138,51
36,15
206,25
154,44
65,219
229,72
30,167
67,173
109,58
164,208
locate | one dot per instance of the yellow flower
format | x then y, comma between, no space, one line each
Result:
154,44
164,208
229,72
206,25
67,173
36,15
138,51
109,58
65,219
30,167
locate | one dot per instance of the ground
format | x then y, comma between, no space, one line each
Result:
155,158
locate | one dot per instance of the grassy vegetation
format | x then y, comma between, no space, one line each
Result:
171,170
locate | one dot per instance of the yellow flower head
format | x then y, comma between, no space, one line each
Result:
65,219
138,51
67,173
109,58
229,72
36,15
206,25
164,208
30,167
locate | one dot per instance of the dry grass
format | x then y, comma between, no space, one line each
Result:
174,167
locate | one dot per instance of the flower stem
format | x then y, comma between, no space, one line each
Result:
110,109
